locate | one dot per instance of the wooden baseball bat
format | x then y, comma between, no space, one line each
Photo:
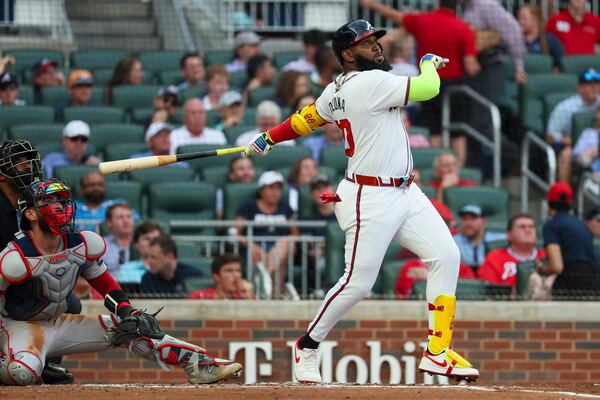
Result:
133,164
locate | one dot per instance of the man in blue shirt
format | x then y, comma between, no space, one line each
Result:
473,236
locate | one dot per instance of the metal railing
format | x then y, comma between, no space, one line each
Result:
178,7
527,175
588,189
495,143
50,15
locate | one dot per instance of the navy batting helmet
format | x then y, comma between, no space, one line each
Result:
351,33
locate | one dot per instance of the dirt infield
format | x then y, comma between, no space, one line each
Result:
300,392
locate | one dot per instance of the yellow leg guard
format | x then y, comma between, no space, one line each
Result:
440,335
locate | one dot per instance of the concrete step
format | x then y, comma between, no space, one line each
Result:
114,27
131,43
94,9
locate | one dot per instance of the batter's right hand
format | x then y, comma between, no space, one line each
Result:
439,62
260,145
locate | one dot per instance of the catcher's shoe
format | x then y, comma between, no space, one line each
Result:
306,366
202,373
448,363
54,374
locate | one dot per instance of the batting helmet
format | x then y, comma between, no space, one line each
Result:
351,33
20,162
42,195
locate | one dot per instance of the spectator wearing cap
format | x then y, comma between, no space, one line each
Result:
80,89
217,84
165,104
75,142
473,235
268,116
312,40
45,73
9,90
268,207
303,170
192,70
569,246
229,285
592,220
158,139
231,110
247,45
194,129
560,124
260,73
576,28
586,152
330,136
446,174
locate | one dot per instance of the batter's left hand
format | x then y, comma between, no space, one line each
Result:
439,62
260,145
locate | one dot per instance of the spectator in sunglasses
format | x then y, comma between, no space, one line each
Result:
75,138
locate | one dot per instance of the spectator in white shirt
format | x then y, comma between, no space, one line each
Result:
247,45
194,130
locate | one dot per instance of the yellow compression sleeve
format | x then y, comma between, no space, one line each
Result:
307,120
425,86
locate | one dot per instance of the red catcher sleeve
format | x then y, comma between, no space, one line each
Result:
105,284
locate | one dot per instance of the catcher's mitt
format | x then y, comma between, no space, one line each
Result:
138,324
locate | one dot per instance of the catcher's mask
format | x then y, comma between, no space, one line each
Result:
351,33
20,162
53,200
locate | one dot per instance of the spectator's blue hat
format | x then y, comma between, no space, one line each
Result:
8,81
589,76
473,209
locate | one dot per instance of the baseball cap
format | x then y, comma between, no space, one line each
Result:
8,81
269,178
471,209
560,192
43,65
246,37
170,90
230,98
80,77
76,128
155,128
318,180
594,213
268,108
589,75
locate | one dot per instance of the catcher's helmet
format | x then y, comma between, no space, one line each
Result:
20,162
44,195
351,33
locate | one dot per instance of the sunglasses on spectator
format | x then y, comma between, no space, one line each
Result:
83,139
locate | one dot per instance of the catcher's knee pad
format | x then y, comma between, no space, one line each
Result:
170,351
24,369
443,310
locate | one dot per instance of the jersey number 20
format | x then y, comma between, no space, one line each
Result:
344,126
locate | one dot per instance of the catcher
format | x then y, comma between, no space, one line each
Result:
39,269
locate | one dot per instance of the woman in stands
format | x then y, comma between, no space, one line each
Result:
128,71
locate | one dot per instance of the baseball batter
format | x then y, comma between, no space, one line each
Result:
376,202
37,272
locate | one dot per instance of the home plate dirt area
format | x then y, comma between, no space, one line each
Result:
297,392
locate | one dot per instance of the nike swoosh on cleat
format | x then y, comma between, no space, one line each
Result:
296,358
443,365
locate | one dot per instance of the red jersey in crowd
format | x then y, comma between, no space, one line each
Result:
406,278
500,266
442,32
211,294
576,38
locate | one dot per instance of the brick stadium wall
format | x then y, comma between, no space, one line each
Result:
527,348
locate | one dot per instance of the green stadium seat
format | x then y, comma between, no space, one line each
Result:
533,92
218,57
102,76
132,96
335,240
238,81
26,94
96,59
54,94
183,201
509,97
37,133
95,114
201,163
162,175
129,191
473,174
212,118
170,77
551,101
120,151
235,131
582,121
249,117
103,135
236,194
577,64
538,64
203,264
466,289
187,249
257,95
493,201
335,158
195,283
26,58
156,61
389,274
495,245
419,130
429,192
423,158
47,148
193,92
281,157
281,58
216,176
10,116
71,174
524,271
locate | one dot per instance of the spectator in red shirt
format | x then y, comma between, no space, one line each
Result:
446,172
415,271
577,29
500,266
443,32
227,274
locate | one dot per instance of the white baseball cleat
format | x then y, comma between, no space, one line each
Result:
210,373
306,367
448,363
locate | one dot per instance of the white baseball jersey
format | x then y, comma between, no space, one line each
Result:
366,107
